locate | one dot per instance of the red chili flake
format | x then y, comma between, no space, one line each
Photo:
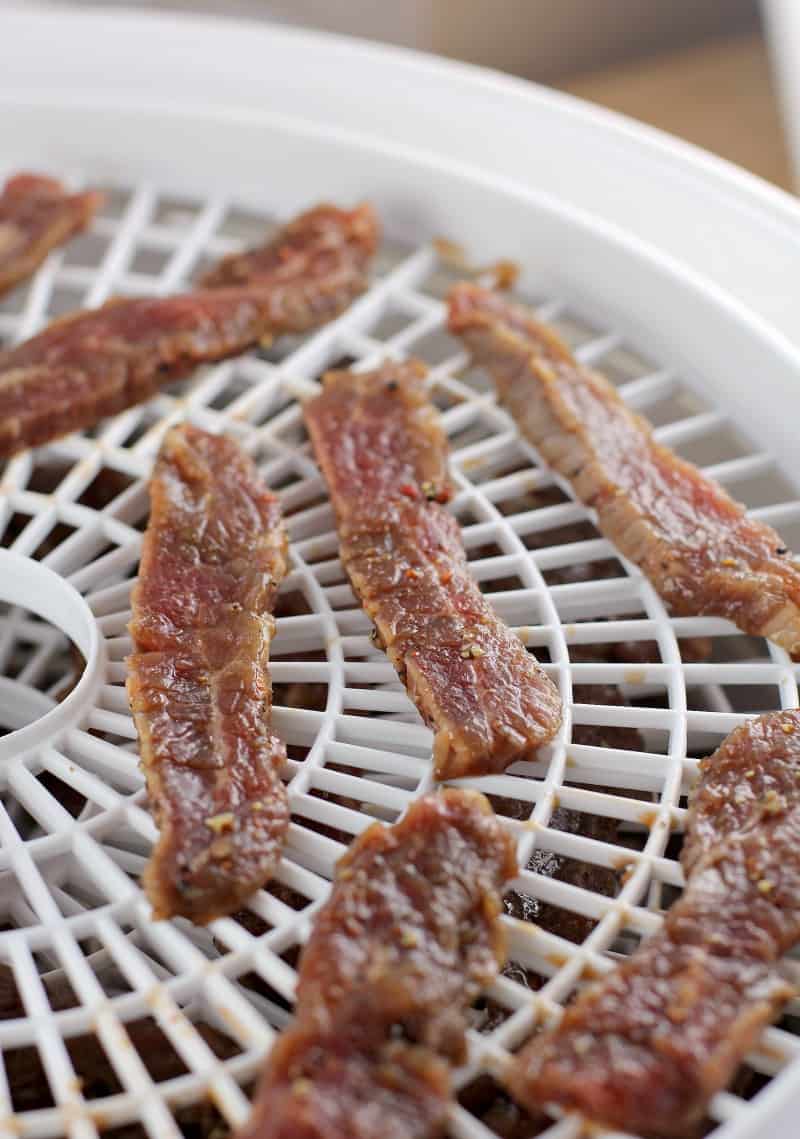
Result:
446,577
409,490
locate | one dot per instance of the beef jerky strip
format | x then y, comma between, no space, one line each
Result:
702,552
408,938
646,1048
324,243
213,557
93,364
383,453
36,215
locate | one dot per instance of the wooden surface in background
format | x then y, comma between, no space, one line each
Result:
718,95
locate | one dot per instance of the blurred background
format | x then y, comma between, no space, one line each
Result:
724,74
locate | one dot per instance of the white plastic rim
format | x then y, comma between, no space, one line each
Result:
32,586
727,224
75,832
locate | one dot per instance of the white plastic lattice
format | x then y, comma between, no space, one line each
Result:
110,1018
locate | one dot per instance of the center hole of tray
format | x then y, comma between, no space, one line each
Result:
50,654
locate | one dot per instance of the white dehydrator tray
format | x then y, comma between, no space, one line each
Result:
189,182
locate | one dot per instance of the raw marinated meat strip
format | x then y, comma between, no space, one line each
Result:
703,553
213,557
383,453
408,938
323,244
96,363
36,215
646,1048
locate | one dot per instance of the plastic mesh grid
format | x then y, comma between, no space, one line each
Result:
108,1018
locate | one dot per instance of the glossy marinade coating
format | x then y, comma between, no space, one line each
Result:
213,556
348,1083
325,243
703,553
407,940
646,1048
37,214
95,363
383,453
